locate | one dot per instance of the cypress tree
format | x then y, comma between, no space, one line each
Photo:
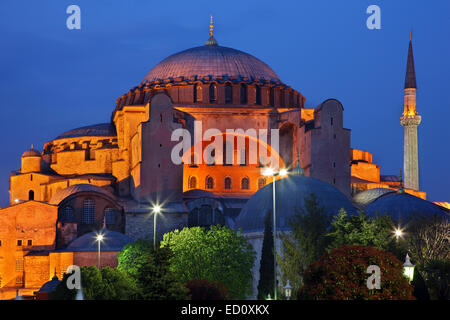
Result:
266,272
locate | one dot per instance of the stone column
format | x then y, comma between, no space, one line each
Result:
410,151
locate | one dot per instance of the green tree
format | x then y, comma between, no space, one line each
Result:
117,285
150,269
91,283
306,242
132,257
266,271
107,284
361,230
214,254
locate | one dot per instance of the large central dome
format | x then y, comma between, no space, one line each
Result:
211,60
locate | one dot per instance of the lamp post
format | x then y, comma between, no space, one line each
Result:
288,290
156,210
408,269
99,240
270,172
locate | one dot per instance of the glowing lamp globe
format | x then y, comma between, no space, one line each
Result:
408,269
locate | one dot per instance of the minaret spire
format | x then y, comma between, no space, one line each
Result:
410,120
410,79
211,41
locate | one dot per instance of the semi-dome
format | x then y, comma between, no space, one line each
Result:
112,241
290,196
365,197
60,195
96,130
211,60
401,206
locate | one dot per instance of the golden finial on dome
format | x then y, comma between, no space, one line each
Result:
211,27
211,41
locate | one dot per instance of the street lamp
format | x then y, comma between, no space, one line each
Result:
288,290
408,269
398,233
271,172
99,238
156,210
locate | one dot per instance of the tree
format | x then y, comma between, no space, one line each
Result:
134,255
437,278
341,275
117,285
107,284
214,254
361,230
150,269
305,243
266,271
428,238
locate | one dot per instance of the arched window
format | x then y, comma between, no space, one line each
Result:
209,183
261,182
198,93
282,104
228,93
205,216
67,214
31,195
243,94
192,182
212,92
110,216
245,183
271,97
258,95
88,211
227,183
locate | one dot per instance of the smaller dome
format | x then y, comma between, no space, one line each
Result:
96,130
50,286
31,153
401,206
113,241
365,197
290,197
76,188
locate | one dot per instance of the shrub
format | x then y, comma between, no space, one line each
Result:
341,275
206,290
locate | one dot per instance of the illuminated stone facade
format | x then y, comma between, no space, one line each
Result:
110,175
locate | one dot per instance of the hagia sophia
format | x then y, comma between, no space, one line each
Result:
109,175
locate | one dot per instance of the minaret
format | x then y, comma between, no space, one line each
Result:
410,120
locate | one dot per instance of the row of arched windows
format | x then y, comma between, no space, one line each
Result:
198,93
88,214
209,183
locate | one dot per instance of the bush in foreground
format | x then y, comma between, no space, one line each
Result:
341,275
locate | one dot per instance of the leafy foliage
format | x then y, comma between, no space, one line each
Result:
206,290
361,230
215,254
107,284
305,243
266,271
341,275
150,269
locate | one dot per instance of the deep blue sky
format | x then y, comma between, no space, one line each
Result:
53,79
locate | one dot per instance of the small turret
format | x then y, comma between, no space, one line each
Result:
31,161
